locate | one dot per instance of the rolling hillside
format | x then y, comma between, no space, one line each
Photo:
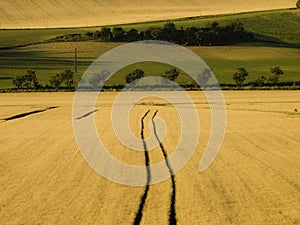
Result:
77,13
49,59
255,178
276,25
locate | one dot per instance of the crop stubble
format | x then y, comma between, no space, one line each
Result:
254,180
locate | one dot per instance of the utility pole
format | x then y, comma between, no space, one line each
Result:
75,61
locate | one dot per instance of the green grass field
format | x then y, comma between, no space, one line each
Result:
278,25
52,58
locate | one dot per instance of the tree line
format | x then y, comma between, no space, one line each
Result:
275,73
65,79
213,34
29,80
97,80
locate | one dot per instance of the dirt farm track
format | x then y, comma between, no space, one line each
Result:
255,178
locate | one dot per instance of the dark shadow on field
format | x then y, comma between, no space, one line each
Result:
29,113
139,214
263,40
38,59
172,213
86,115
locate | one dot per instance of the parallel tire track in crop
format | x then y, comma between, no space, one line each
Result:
172,215
172,212
139,214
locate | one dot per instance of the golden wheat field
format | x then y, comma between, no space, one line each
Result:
253,180
76,13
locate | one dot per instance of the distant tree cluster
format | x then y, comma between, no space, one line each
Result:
30,81
214,34
171,74
65,79
135,76
204,77
97,79
241,75
276,73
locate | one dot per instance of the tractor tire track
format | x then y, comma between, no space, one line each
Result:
139,214
172,213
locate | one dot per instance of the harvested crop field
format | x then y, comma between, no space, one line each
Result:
254,179
78,13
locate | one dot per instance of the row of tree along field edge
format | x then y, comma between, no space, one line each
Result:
214,31
212,35
64,81
267,26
